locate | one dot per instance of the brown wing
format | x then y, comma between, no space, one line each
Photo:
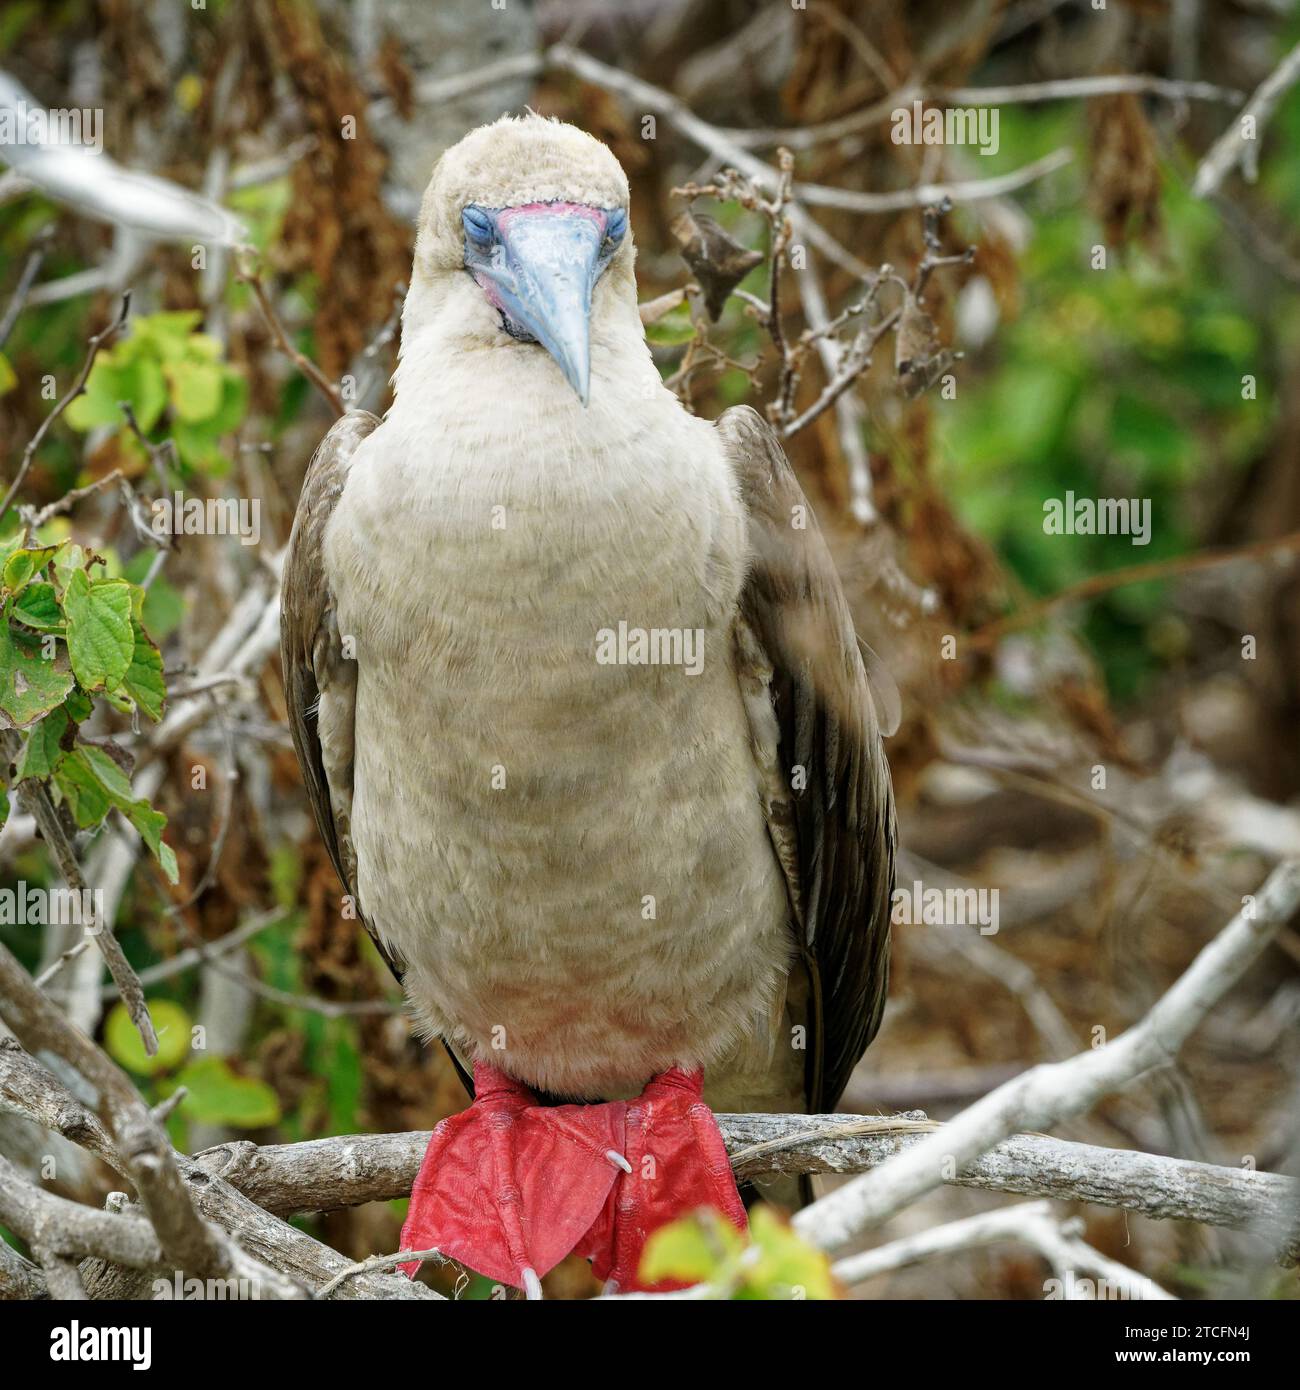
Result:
831,807
319,682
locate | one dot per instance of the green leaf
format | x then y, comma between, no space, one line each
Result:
150,824
100,639
93,784
788,1267
144,677
30,685
195,389
42,752
66,563
10,543
203,346
130,372
691,1250
197,447
22,564
82,792
220,1096
774,1264
8,377
106,385
163,608
234,404
673,329
111,777
167,330
148,395
79,706
38,607
170,1022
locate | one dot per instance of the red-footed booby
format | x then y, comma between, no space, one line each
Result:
586,729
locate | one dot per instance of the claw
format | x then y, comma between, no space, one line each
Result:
532,1285
618,1160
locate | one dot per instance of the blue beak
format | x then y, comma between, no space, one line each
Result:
541,264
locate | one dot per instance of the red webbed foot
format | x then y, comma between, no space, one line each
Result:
678,1164
509,1187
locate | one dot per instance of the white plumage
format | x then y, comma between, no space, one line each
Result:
576,864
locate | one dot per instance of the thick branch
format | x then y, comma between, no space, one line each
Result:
19,1278
28,1089
67,1228
267,1253
347,1170
139,1139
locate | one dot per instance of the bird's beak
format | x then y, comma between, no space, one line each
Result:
546,264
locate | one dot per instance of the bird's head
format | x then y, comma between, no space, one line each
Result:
524,239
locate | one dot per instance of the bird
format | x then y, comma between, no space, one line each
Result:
587,731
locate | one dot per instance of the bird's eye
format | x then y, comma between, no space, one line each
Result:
615,227
478,225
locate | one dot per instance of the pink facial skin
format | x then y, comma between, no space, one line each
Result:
489,292
508,215
597,215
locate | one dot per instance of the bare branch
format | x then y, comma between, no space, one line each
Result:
1102,583
1061,89
380,1263
187,959
69,499
1072,88
35,798
1030,1223
959,191
246,271
18,300
654,309
101,339
1239,144
29,1089
1047,1093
